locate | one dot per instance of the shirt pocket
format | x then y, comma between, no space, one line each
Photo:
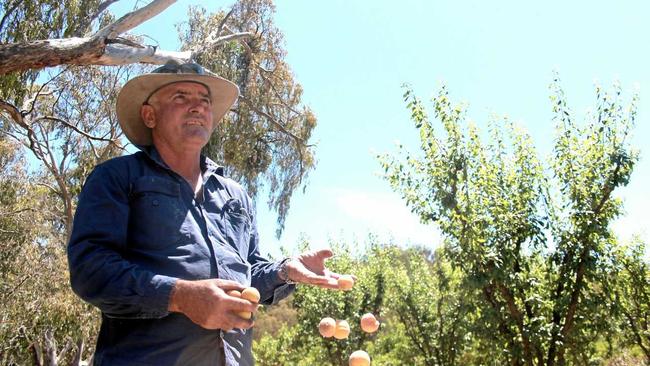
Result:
157,213
238,226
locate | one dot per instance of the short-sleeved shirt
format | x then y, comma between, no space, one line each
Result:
138,228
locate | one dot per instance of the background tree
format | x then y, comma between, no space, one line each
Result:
57,115
531,239
633,292
266,138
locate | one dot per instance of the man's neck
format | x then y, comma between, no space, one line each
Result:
185,162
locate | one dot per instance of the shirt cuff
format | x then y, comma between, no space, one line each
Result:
157,300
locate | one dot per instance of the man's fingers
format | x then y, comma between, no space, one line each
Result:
324,253
321,280
228,285
236,321
239,304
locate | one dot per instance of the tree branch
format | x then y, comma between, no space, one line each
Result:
100,9
279,125
76,129
8,13
133,19
100,49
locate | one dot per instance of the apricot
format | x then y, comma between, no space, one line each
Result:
345,282
251,294
359,358
369,323
327,327
342,330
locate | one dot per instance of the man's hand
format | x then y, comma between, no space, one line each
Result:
206,303
309,268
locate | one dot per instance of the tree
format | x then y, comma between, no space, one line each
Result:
56,105
532,239
266,138
633,292
265,141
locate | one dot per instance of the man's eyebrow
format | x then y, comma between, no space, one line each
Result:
186,92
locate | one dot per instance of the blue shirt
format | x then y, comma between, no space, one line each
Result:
137,229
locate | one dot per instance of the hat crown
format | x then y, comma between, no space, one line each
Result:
175,67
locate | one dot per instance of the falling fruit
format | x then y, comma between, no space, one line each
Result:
369,323
359,358
342,330
345,282
327,327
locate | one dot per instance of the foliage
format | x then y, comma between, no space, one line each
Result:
67,125
632,291
23,21
35,298
532,240
266,138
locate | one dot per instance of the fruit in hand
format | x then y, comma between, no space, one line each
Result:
369,323
327,327
359,358
346,282
251,294
342,330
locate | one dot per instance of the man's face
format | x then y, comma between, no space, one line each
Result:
180,115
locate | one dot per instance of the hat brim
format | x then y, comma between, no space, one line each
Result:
136,91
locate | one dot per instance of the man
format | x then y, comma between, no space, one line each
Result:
161,236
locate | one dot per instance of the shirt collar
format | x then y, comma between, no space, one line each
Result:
208,167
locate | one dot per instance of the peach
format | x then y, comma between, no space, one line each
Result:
359,358
345,282
369,323
342,330
251,294
327,327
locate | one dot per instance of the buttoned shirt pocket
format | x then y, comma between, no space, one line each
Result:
238,226
157,213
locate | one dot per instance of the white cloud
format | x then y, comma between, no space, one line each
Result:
384,214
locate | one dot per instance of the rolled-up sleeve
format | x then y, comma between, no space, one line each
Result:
99,273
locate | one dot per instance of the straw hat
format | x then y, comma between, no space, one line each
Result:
137,91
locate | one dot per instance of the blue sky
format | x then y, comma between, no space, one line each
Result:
352,57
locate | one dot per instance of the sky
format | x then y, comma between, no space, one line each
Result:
498,57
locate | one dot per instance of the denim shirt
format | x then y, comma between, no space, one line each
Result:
137,229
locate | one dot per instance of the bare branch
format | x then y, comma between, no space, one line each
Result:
73,127
87,50
120,54
100,9
223,21
272,120
12,111
8,13
51,188
133,19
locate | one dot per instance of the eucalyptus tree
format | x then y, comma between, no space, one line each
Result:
265,141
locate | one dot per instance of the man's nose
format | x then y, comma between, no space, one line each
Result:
197,105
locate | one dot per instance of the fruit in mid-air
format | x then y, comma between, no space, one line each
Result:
327,327
342,330
369,323
359,358
345,282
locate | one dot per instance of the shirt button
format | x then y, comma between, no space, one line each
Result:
155,202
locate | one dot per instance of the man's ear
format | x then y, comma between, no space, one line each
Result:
148,115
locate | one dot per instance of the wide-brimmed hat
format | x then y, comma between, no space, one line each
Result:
137,91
